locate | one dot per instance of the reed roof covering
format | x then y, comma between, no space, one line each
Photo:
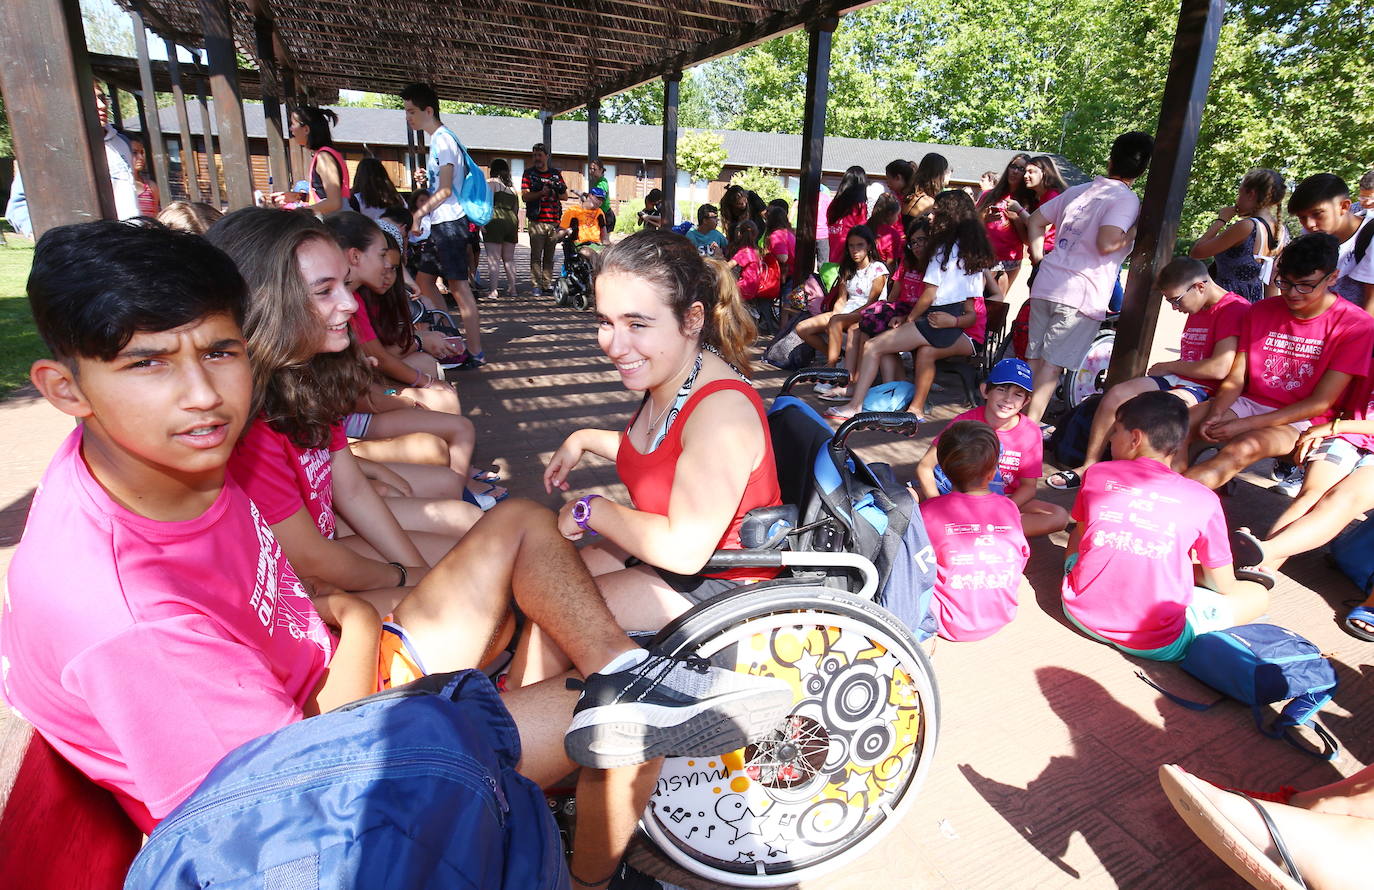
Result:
539,54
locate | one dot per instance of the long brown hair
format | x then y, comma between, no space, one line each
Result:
300,391
670,263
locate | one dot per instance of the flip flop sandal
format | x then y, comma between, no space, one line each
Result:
1262,577
1359,613
1046,430
1224,839
838,413
838,394
1246,549
484,476
1068,480
490,492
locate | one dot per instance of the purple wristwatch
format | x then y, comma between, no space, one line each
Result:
582,511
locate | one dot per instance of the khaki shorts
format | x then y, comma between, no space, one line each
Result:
1059,334
1244,407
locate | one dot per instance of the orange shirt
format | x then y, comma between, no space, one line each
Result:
586,223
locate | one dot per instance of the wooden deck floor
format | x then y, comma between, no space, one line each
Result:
1045,772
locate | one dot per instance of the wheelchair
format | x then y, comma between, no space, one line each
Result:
847,762
574,287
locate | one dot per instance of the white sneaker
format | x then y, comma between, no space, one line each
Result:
1291,483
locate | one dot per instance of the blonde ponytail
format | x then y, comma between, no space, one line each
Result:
729,327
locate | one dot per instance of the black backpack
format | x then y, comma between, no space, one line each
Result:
1069,443
788,350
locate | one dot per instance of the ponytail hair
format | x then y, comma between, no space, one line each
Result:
670,264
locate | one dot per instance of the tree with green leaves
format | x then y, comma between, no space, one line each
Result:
701,154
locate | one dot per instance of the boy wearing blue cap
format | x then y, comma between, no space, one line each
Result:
586,223
1006,393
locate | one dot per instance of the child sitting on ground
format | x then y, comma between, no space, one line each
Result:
1206,351
1148,566
1006,394
980,550
1298,352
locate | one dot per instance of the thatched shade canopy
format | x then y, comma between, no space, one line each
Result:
540,54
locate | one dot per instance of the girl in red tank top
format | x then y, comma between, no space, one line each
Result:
695,456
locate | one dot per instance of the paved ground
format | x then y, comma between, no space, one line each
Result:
1045,772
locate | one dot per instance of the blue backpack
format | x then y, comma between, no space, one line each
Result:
1261,664
1353,552
412,787
474,195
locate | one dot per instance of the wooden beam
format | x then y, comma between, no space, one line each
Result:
116,113
49,96
152,131
546,120
211,163
279,170
672,83
1180,118
224,85
813,144
593,131
190,171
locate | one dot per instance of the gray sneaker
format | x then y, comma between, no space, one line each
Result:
1291,483
670,707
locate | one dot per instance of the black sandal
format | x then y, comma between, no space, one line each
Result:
1068,479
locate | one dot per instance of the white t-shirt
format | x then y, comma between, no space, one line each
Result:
119,157
443,152
1351,277
947,271
1075,273
860,286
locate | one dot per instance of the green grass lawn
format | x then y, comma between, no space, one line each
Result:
19,344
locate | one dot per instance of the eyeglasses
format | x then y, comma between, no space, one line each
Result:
1285,285
712,216
1174,301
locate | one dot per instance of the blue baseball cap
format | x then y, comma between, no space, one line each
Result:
301,186
1011,371
597,192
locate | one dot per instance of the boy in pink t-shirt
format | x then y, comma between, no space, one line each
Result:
152,624
1021,461
1148,566
980,550
1206,350
1297,355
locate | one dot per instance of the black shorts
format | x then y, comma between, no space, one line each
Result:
450,240
426,260
940,338
697,588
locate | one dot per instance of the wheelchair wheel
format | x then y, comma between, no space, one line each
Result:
561,295
1090,377
836,775
581,299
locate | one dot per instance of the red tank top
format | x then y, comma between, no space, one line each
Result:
649,477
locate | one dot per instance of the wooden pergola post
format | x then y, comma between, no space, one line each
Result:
224,85
294,155
1180,118
207,132
594,131
49,92
546,120
813,144
410,157
152,132
116,113
279,170
190,171
672,83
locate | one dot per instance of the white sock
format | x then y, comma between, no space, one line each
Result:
625,660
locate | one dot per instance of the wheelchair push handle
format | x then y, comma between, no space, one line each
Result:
819,374
899,423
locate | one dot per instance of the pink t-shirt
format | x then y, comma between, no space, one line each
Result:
1075,273
1142,523
1359,405
1023,450
1050,195
1287,356
891,243
783,243
1205,329
281,478
910,285
980,552
839,230
979,331
750,267
1006,240
362,323
144,651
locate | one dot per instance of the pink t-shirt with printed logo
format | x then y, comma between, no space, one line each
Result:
1359,405
1205,329
281,478
1287,356
980,552
144,651
1023,449
1141,522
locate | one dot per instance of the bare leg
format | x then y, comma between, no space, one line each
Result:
493,255
430,480
899,339
1044,380
1241,452
1106,416
924,359
429,290
890,367
467,308
425,363
812,331
457,432
412,448
1042,518
508,263
438,396
1348,499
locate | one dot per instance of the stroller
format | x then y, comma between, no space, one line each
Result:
841,624
574,287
